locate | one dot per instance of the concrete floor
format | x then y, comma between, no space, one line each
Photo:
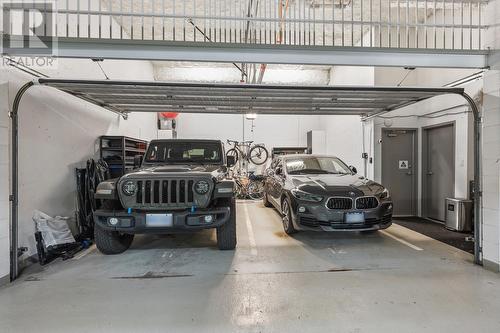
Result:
392,281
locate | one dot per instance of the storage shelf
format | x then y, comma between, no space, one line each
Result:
117,152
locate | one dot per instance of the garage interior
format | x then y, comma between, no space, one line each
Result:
405,92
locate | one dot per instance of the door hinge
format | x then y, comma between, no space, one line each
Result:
11,197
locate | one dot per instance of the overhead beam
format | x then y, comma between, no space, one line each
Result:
271,54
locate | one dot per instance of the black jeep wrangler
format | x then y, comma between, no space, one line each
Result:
180,186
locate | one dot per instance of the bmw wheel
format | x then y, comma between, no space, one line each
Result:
286,212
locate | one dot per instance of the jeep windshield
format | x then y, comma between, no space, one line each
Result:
184,152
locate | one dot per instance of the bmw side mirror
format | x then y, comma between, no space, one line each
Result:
353,169
231,161
137,161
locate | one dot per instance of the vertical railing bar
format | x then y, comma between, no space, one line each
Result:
163,19
361,22
121,19
224,23
389,26
380,23
324,20
407,24
230,23
294,23
479,30
261,22
425,23
67,20
78,18
110,23
333,24
470,25
131,19
300,23
352,23
184,20
435,29
462,24
342,18
398,29
304,23
153,21
453,24
313,23
142,19
88,18
444,23
416,24
214,21
371,23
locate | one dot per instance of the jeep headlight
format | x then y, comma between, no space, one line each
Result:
129,188
201,187
301,195
385,194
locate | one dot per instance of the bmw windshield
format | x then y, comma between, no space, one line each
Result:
316,165
184,152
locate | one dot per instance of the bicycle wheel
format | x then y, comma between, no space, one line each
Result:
258,155
233,152
256,190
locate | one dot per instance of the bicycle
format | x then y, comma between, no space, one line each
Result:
257,154
251,186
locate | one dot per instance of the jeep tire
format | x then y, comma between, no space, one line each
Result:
226,233
111,242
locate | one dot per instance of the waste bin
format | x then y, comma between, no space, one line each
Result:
458,215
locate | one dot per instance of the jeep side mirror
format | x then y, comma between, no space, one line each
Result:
353,169
137,161
230,160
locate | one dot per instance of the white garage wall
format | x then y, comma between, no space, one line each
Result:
344,134
59,132
273,131
491,146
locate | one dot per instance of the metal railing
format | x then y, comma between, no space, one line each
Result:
423,24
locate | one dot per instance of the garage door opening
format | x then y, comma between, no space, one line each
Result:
125,97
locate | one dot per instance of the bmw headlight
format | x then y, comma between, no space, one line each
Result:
385,194
301,195
129,188
201,187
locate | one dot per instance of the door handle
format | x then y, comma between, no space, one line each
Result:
430,173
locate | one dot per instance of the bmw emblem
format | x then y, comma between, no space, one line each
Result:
352,194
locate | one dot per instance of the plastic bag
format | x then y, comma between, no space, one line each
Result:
55,230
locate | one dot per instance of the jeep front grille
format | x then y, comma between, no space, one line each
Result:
366,203
171,192
339,203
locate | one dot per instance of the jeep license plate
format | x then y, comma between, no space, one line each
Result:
159,220
357,217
